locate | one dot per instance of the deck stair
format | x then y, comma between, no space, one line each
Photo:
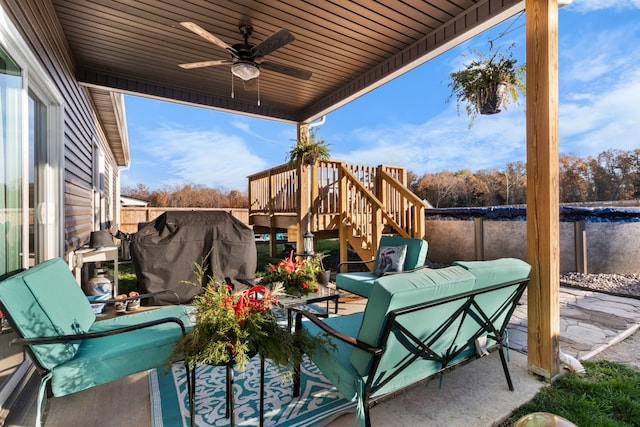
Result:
358,204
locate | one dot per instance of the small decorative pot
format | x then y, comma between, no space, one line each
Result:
491,98
323,277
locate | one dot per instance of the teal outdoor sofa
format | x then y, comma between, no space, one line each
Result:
416,326
359,283
56,324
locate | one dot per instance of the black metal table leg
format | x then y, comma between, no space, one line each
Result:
229,403
192,394
261,391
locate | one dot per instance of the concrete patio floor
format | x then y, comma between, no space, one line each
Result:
475,394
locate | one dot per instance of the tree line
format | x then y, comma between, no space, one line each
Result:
189,195
612,175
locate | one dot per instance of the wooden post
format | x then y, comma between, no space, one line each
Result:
303,192
315,194
580,235
273,244
478,227
543,222
342,208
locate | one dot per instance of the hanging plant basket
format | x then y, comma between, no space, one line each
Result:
310,159
487,83
308,150
492,98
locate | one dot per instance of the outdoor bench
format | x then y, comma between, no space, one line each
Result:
55,322
359,282
416,326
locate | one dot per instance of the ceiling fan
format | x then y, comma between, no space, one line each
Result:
245,56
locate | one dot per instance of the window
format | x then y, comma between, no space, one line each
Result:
11,216
31,177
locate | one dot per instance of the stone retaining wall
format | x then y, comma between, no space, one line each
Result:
587,247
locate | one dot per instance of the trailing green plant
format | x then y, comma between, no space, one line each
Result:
474,85
308,149
231,327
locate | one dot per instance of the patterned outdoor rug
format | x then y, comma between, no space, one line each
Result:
319,402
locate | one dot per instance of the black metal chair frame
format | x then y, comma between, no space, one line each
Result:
27,342
423,348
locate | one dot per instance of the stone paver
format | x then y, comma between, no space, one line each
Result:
588,321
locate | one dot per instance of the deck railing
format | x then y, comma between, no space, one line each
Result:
361,202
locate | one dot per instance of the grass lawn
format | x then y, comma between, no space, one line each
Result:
607,395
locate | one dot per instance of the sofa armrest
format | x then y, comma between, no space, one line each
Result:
333,332
100,334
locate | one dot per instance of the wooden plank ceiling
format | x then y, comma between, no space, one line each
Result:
350,47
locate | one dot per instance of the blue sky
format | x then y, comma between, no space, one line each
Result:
408,122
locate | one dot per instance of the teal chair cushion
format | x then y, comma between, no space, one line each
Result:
358,283
492,272
496,271
403,290
50,303
334,363
105,359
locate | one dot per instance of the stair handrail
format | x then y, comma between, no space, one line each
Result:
416,223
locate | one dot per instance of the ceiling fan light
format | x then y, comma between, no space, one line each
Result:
245,70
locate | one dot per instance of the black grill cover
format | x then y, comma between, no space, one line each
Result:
165,251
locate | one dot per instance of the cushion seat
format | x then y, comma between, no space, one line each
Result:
51,316
359,283
105,359
416,326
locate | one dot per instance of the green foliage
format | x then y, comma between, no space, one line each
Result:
127,280
607,395
486,70
307,150
233,327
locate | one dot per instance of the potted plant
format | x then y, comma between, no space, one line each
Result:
307,150
322,274
296,277
488,83
231,327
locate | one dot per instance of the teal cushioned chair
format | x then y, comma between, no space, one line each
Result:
415,326
55,321
359,283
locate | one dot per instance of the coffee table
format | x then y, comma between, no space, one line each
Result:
325,294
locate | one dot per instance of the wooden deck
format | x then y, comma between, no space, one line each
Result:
356,203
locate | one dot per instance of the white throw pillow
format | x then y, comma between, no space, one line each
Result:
391,259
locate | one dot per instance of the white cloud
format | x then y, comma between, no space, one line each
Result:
444,142
592,123
595,57
585,6
209,158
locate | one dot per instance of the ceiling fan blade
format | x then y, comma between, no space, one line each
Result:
201,64
273,42
208,36
298,73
